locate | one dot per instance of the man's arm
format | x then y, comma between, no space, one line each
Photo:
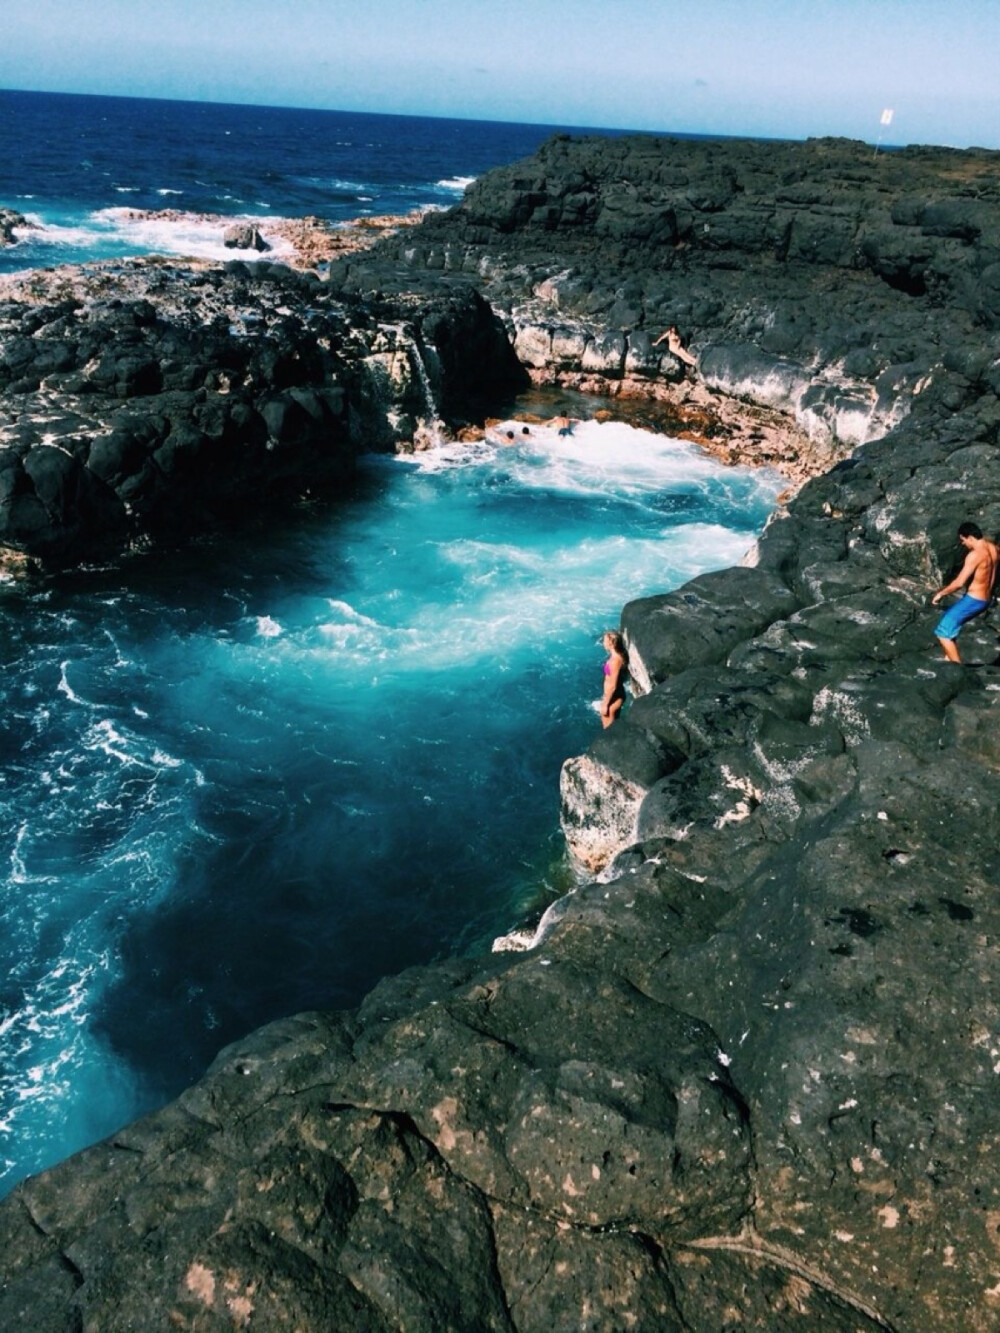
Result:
961,578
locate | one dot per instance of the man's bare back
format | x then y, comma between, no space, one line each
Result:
984,567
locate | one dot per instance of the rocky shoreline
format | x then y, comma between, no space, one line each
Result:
745,1077
144,400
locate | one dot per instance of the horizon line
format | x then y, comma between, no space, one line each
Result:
555,126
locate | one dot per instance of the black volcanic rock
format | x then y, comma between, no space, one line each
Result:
9,220
244,236
130,411
819,279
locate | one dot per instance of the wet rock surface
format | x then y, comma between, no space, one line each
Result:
145,400
745,1078
817,279
10,221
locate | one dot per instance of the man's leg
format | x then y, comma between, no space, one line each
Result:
950,649
947,629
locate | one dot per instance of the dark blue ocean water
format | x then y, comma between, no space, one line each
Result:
77,165
256,776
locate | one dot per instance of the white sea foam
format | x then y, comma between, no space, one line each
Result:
52,1063
351,615
611,457
191,235
268,628
505,594
347,186
445,456
629,467
491,594
596,457
364,642
58,234
164,760
456,182
59,1086
195,235
105,736
481,558
64,686
18,870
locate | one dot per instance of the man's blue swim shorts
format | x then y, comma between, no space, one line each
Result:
955,617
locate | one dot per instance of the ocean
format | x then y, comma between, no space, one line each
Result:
78,166
255,777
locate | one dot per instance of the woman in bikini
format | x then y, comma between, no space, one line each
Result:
615,672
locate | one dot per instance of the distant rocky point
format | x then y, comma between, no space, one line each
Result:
9,220
746,1077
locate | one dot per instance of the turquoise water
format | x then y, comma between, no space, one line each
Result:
253,777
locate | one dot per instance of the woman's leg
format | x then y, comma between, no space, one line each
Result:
614,708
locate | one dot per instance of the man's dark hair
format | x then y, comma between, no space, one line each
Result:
970,530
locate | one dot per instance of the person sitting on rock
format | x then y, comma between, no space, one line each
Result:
979,571
615,671
673,341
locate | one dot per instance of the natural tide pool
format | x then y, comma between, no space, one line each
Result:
253,777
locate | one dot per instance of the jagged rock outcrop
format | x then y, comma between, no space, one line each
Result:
143,401
807,276
10,219
244,236
746,1078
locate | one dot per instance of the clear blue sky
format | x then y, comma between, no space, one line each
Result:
762,67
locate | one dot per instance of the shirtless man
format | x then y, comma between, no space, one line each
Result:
979,571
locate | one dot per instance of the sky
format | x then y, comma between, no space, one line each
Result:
773,68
